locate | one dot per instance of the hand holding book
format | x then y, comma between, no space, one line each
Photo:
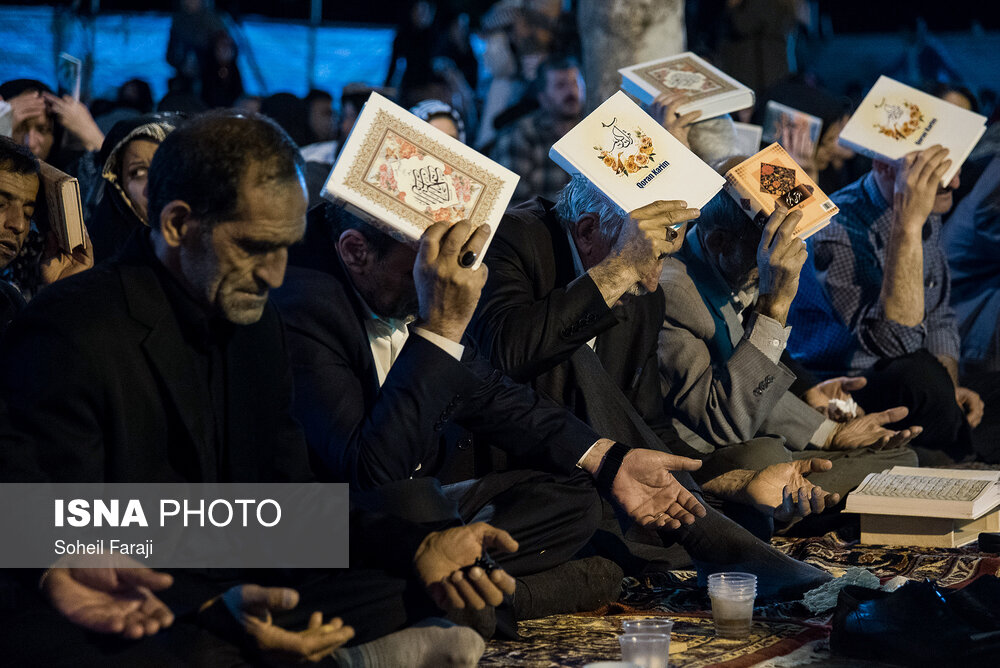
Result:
780,256
917,185
664,111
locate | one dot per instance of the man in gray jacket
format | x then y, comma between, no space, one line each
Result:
723,369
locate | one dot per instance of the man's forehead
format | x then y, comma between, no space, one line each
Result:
24,186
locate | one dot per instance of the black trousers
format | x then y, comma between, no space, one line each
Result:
921,384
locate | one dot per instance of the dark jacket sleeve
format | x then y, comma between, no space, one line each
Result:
524,329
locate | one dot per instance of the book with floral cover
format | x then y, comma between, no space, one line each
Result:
632,159
895,119
402,175
760,182
707,88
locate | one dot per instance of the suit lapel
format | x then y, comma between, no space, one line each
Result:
171,359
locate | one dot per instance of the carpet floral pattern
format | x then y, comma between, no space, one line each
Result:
778,630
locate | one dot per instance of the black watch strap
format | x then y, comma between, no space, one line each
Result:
609,467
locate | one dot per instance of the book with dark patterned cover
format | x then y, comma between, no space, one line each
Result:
771,176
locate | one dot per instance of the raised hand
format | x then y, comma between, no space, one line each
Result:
780,257
869,432
251,605
76,118
820,395
56,264
26,106
645,489
918,177
972,405
444,555
115,600
664,111
447,290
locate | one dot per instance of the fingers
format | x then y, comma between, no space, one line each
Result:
812,465
678,463
270,598
852,384
658,208
494,538
485,587
145,577
466,592
888,416
503,580
430,243
445,596
690,503
902,437
689,118
477,241
453,240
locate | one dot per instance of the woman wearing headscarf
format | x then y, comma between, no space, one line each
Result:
442,116
125,156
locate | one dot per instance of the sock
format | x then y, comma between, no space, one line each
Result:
716,544
432,643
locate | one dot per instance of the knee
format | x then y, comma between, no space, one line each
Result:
921,376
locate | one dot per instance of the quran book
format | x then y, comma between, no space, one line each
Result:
758,183
922,492
796,130
707,88
402,175
63,208
632,159
748,138
69,72
895,119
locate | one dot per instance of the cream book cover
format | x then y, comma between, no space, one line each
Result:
707,88
761,181
632,159
402,175
895,119
921,492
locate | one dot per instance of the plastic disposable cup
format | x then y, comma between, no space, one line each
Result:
648,625
732,597
611,664
646,650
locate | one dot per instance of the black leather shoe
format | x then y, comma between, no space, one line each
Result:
919,624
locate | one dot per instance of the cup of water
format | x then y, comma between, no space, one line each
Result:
648,625
732,597
646,650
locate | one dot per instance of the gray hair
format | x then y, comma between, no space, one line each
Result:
581,197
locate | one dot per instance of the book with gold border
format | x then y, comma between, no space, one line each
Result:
706,88
402,175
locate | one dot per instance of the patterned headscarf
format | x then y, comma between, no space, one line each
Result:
156,132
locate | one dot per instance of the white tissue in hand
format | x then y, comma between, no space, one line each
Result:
846,407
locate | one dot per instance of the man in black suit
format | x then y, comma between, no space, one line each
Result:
168,365
358,327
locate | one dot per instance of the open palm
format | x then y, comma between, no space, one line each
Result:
650,494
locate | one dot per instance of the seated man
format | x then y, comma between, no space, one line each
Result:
376,389
19,196
574,285
727,295
168,365
874,301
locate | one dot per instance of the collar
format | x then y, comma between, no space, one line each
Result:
741,299
197,326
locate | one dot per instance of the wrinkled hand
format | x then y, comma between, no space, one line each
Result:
664,111
252,605
783,490
649,493
116,600
918,177
447,291
76,118
972,405
56,264
780,257
442,556
819,396
26,106
869,432
651,233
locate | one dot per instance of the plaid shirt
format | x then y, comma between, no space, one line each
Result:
523,148
838,322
